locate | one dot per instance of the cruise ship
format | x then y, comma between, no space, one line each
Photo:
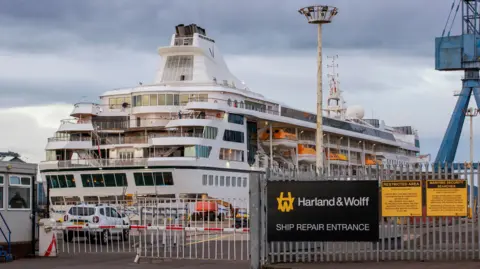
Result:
198,130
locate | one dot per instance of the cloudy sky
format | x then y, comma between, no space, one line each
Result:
54,53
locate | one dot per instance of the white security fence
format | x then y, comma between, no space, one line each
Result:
421,237
203,228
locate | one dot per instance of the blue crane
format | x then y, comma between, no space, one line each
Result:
455,53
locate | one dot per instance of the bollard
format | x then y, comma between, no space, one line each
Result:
47,238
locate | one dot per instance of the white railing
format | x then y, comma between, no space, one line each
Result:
103,162
157,228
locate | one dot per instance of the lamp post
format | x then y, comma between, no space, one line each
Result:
471,112
319,15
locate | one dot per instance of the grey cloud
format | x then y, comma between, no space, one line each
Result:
240,26
25,93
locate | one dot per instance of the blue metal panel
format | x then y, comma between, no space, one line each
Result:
448,148
469,48
448,53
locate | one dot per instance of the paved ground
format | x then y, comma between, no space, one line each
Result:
117,261
380,265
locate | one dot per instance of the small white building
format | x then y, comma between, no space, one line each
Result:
17,204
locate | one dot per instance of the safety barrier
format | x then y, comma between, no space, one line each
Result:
162,228
401,238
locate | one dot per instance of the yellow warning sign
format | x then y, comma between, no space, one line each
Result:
446,198
401,198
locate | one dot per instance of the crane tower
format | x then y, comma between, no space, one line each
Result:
455,53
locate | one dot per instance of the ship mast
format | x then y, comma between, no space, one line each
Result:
335,100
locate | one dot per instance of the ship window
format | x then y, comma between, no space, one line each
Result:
109,180
53,181
176,99
184,99
234,181
138,179
244,182
148,179
216,180
153,100
210,180
235,118
19,192
169,100
178,67
98,180
87,180
233,136
204,180
222,181
137,101
121,180
62,181
210,132
153,179
203,97
145,100
168,178
158,179
239,181
228,182
231,155
161,100
70,181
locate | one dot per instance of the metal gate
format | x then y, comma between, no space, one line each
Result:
159,228
401,238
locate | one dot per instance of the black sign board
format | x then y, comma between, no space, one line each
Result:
323,210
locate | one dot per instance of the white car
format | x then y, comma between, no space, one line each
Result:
102,215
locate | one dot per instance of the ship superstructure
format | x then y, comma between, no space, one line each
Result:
198,130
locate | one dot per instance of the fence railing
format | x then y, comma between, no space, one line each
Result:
157,228
412,238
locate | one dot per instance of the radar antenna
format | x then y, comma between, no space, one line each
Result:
335,101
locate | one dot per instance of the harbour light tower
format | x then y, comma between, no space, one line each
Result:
319,15
460,53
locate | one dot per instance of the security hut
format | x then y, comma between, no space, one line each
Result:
17,206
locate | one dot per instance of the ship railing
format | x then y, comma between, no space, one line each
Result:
75,121
238,104
103,162
73,138
177,134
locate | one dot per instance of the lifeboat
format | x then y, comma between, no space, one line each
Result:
280,138
337,157
306,154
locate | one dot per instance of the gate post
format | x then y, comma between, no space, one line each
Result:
255,223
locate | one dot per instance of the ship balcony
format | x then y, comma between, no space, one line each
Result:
84,163
177,138
91,109
75,125
121,140
186,121
226,105
69,143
